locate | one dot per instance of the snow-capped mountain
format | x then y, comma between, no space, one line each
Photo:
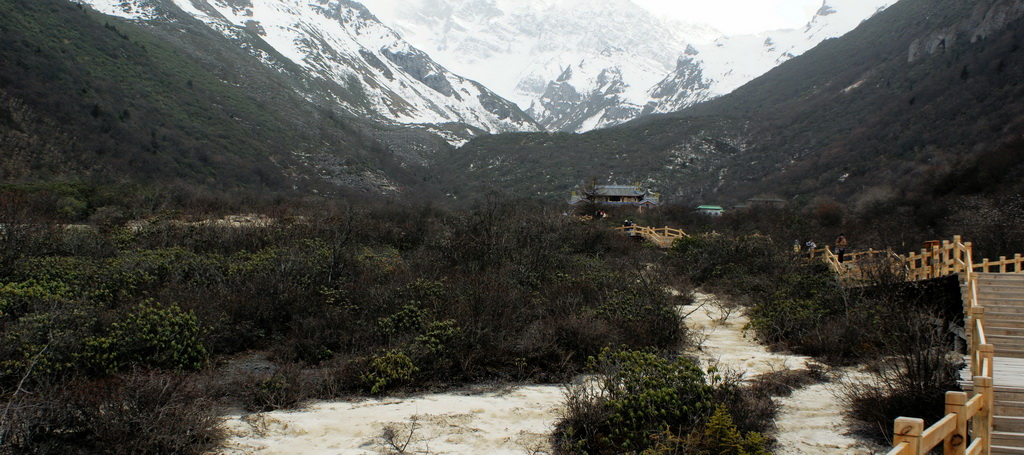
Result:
729,62
576,65
374,72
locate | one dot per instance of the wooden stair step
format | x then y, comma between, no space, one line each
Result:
1006,323
1009,398
1009,408
1000,276
1004,340
997,330
1000,307
1008,424
998,292
998,325
1004,300
1009,276
998,317
1007,450
1010,353
1008,393
1007,439
1000,286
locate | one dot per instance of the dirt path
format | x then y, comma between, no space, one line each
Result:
513,420
810,420
517,420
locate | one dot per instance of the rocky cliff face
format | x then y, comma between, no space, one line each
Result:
345,57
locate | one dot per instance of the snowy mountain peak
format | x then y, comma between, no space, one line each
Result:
559,59
368,68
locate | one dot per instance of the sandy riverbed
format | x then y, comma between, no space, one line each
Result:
518,419
810,420
512,420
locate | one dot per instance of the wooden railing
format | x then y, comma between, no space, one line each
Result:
910,435
1003,265
942,259
663,237
860,267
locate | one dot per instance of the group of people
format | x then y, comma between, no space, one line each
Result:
840,250
629,224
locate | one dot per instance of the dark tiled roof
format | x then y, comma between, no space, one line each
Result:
617,190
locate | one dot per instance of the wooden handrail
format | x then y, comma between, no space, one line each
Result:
951,431
663,237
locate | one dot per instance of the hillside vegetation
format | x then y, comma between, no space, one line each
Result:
87,96
915,103
114,335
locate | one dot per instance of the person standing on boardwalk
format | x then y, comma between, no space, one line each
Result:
841,247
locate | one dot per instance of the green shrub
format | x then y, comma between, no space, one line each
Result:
721,437
17,299
158,337
636,396
387,370
44,346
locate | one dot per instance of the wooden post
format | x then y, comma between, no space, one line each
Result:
988,352
956,442
977,315
947,252
981,424
908,429
1017,260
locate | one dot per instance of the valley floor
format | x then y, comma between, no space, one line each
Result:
518,419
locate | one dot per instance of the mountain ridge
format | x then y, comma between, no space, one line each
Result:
852,116
87,96
597,63
349,58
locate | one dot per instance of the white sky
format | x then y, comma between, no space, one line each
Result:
737,16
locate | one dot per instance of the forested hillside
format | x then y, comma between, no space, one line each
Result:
87,96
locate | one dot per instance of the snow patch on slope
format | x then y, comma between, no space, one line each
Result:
341,42
556,58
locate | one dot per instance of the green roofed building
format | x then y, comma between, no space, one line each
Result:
711,210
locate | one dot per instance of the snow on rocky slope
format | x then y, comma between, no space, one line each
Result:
576,65
379,75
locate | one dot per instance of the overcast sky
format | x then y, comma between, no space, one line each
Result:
738,16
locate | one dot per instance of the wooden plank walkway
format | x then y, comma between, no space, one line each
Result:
661,237
1001,296
993,296
1008,371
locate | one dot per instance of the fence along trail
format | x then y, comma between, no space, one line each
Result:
991,420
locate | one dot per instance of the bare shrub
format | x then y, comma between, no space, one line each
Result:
911,378
284,388
783,382
400,437
139,412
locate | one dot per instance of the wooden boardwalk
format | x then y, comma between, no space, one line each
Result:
1002,297
993,297
660,237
